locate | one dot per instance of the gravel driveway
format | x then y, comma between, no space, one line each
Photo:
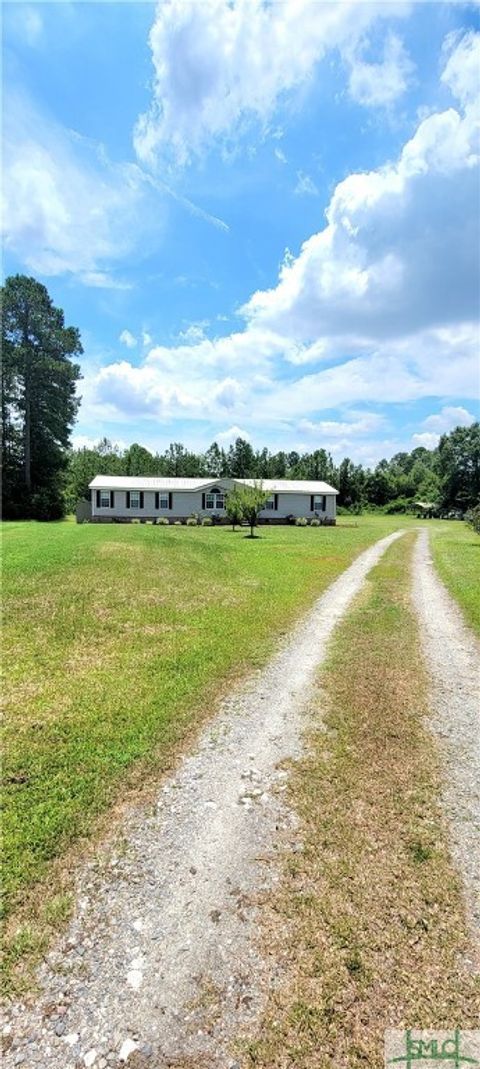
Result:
160,960
453,655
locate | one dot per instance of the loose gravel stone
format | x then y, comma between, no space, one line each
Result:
194,935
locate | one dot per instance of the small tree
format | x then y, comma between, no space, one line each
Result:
252,500
473,518
233,508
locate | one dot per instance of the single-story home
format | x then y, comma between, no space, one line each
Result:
122,498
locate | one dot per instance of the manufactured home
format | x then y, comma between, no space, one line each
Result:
121,498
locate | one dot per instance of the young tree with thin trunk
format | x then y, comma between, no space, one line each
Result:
40,402
233,508
252,500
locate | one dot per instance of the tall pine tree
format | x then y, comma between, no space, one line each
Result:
39,403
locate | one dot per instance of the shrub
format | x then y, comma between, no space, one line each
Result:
136,520
301,521
162,521
177,523
315,522
207,521
192,521
472,517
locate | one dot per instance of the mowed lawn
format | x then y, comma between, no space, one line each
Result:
117,641
456,552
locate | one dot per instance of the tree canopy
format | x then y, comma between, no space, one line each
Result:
447,477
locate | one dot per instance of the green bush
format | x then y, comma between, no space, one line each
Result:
136,520
162,521
192,521
315,522
177,523
301,521
207,521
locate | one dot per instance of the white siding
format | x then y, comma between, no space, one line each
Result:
185,502
299,505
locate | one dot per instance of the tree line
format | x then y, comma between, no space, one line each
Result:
43,478
447,478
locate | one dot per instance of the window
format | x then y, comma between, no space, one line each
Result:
270,503
319,503
135,499
163,501
104,499
215,499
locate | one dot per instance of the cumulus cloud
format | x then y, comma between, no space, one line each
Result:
449,417
425,439
400,248
220,65
127,338
67,208
230,435
378,306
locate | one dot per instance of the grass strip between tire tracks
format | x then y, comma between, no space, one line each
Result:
369,921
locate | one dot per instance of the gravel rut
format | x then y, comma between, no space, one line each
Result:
160,962
453,656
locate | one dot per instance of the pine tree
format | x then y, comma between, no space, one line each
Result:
39,400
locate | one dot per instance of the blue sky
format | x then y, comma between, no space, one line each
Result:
262,217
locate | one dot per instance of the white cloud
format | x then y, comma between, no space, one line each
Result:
66,207
461,69
146,339
220,65
369,423
379,83
230,435
425,439
85,441
278,152
399,252
305,185
449,417
378,307
128,339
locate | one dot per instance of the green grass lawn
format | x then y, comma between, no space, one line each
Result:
117,641
456,552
